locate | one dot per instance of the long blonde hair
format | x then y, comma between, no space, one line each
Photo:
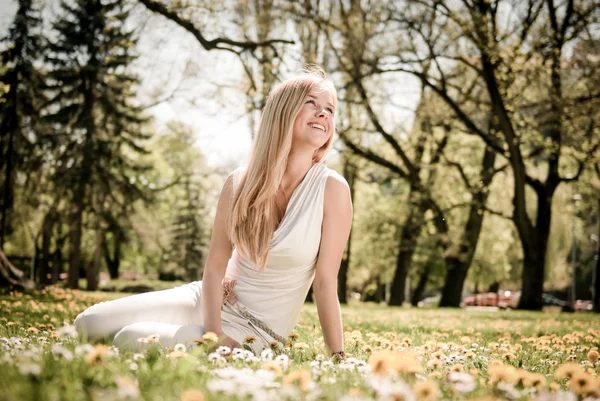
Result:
252,214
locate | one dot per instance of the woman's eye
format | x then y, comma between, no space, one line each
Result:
330,110
310,101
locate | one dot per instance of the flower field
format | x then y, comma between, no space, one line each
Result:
393,354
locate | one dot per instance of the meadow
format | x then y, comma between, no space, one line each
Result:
393,354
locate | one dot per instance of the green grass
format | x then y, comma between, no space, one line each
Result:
499,354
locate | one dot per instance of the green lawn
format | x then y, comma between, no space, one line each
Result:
396,354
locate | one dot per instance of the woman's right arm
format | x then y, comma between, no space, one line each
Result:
219,253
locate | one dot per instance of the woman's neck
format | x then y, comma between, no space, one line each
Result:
298,165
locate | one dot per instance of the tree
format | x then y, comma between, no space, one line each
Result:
523,68
98,132
20,99
189,238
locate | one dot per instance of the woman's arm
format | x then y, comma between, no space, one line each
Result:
337,220
219,253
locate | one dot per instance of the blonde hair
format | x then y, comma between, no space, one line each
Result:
252,220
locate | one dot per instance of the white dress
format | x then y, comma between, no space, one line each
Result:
273,296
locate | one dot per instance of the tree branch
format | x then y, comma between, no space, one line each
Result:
218,43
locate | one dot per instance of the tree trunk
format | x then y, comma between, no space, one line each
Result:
422,284
44,272
75,230
113,263
379,290
57,256
408,243
94,270
7,197
458,263
596,274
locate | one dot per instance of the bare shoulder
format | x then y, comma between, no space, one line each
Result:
337,192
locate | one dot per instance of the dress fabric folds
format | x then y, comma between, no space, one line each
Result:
273,296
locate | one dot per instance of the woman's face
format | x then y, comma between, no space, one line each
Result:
315,121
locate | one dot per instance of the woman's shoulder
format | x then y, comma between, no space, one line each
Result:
235,176
336,186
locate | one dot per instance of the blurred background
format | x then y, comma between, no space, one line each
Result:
468,131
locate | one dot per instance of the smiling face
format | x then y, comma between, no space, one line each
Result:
315,121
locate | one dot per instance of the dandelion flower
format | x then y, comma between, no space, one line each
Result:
97,354
502,373
456,368
582,383
271,366
192,395
300,378
534,380
180,348
427,390
210,337
249,340
567,370
593,355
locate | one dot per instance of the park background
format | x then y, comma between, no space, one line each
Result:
467,131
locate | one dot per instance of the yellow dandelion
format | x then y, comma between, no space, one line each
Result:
368,349
534,380
210,337
502,373
200,341
593,355
456,368
582,383
274,345
300,378
192,395
427,390
96,354
300,346
177,354
437,354
249,340
509,356
434,364
273,367
403,362
33,330
293,336
567,370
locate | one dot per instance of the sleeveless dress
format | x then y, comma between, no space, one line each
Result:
273,297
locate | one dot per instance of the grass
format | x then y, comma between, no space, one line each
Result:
396,354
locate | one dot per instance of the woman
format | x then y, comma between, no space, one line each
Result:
288,217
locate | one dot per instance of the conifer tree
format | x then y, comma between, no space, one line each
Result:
188,232
98,128
20,97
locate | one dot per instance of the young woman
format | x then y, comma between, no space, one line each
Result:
282,222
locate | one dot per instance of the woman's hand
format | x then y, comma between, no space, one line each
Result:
225,340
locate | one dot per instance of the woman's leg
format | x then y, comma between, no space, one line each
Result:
177,306
168,335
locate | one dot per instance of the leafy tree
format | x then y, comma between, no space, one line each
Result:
20,99
98,133
536,95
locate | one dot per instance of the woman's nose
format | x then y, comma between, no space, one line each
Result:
323,113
